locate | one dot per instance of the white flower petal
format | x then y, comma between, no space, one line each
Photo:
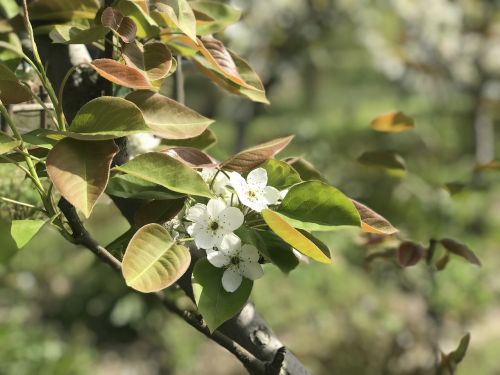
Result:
238,183
301,257
230,219
251,270
249,253
191,229
230,245
215,207
208,174
203,237
197,212
218,258
231,279
257,178
283,193
256,205
271,195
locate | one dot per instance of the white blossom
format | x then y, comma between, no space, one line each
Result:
300,257
218,182
142,143
239,261
212,222
254,192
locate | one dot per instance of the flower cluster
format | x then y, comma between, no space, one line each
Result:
212,225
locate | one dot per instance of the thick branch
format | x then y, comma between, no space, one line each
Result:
82,237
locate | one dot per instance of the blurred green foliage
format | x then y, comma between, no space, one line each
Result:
61,312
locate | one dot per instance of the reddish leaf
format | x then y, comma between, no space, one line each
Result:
125,27
372,222
191,156
392,122
121,74
461,250
155,59
409,254
80,170
254,156
216,52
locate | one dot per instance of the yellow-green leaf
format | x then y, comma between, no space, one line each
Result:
293,237
109,116
7,143
168,118
22,231
153,260
168,172
392,122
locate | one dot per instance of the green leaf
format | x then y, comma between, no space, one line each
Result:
316,206
22,231
7,56
393,122
372,222
63,10
12,91
177,14
7,143
68,34
153,261
154,59
120,74
9,247
213,16
280,174
273,248
43,138
254,156
168,118
109,116
387,160
202,142
80,170
9,9
128,186
214,303
459,353
166,171
293,237
305,169
146,26
461,250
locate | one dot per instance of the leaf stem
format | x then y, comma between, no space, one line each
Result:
13,201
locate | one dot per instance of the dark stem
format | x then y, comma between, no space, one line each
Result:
82,237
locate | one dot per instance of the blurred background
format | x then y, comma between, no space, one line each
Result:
329,67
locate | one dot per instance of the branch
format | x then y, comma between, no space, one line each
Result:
82,237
